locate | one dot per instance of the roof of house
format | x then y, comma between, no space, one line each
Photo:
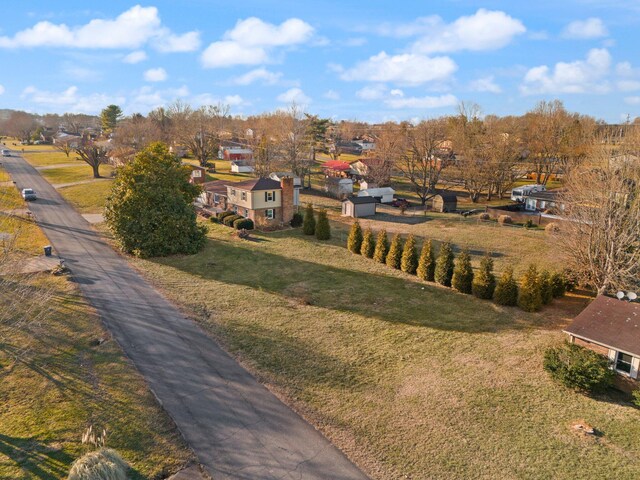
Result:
256,184
336,165
338,180
547,196
217,186
609,322
360,200
378,191
447,196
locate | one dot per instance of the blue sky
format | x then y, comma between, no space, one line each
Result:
374,61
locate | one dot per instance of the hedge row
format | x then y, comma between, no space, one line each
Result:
231,219
535,290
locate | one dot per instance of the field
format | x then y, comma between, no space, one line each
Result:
56,380
87,197
410,379
80,173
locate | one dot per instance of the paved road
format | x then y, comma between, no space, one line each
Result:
237,428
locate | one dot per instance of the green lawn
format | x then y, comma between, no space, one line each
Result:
48,157
410,379
87,197
74,174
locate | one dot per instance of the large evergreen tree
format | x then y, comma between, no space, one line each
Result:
149,210
484,282
463,273
309,223
427,263
506,292
394,257
444,265
109,118
409,256
354,242
530,295
546,287
368,244
323,229
382,247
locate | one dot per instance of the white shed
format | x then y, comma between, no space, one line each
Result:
241,167
385,194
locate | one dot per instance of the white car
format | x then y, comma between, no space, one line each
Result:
29,194
6,153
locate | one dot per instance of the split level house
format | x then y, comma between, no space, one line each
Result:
267,202
611,327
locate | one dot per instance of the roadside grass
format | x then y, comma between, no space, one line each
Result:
74,174
47,158
411,380
10,197
87,197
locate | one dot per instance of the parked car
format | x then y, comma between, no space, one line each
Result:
400,202
6,153
29,194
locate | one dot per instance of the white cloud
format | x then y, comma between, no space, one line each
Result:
2,90
485,84
135,57
484,30
131,29
70,100
148,98
331,95
259,74
396,92
233,100
398,102
404,69
355,42
585,29
294,95
155,75
632,100
581,76
372,92
252,40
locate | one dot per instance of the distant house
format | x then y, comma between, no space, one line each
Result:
265,201
351,148
235,153
382,194
444,202
336,168
364,167
357,207
541,201
611,327
69,138
198,174
241,166
297,184
338,187
366,145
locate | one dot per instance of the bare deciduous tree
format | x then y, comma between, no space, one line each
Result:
93,155
63,146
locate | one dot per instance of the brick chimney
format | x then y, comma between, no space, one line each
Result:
287,199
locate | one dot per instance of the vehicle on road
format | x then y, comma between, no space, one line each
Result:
520,194
29,194
6,153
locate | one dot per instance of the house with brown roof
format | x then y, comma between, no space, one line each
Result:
265,201
611,327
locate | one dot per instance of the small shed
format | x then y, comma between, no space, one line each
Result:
357,207
240,166
198,174
383,194
445,202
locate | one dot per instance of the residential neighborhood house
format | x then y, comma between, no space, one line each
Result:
543,201
357,207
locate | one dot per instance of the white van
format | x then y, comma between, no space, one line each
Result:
520,194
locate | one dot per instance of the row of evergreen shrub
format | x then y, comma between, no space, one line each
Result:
320,227
231,219
536,288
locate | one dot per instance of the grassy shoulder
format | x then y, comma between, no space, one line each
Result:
74,174
49,157
406,377
87,197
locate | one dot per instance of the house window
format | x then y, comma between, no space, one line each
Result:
269,196
216,198
269,214
233,192
244,195
623,362
246,213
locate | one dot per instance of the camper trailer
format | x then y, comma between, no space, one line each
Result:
520,194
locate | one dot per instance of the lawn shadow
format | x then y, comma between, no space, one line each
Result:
42,461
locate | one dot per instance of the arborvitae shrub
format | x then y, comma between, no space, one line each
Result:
546,287
530,295
578,367
297,220
309,222
354,242
382,247
368,244
323,229
409,256
484,282
427,263
394,257
506,292
444,265
558,285
463,273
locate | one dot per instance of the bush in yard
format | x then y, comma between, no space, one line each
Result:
484,216
558,285
323,229
228,220
530,295
484,282
546,287
150,208
552,228
297,220
578,367
382,247
243,224
103,464
394,257
444,265
222,215
214,219
635,395
409,262
506,292
368,244
427,262
529,224
462,279
505,220
354,242
309,222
